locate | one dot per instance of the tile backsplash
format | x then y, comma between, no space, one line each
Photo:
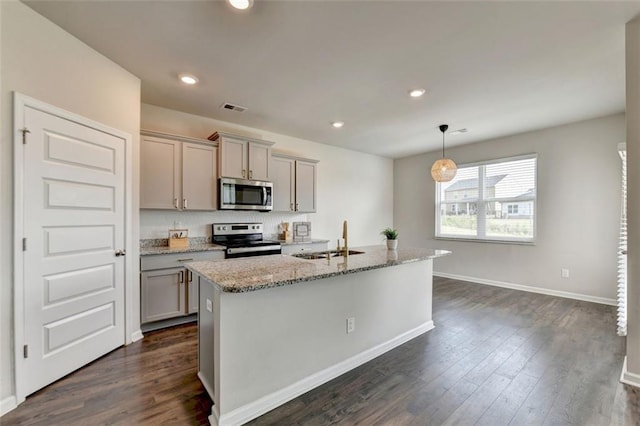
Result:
156,223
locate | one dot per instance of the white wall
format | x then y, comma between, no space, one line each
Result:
43,61
633,200
352,185
579,174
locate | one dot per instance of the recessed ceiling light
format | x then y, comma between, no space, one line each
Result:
241,4
416,93
337,124
459,131
188,79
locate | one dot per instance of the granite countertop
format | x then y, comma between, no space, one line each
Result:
257,273
147,251
160,245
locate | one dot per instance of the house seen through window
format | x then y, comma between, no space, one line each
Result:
492,201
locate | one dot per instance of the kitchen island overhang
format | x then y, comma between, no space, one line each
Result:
274,327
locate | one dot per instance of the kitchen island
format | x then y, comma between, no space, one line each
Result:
273,327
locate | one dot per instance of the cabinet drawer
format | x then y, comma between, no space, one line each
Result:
300,248
161,261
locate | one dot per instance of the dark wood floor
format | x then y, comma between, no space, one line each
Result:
496,357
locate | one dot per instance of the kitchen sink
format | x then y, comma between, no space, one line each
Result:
310,256
335,253
324,254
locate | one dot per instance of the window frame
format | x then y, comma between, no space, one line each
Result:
480,199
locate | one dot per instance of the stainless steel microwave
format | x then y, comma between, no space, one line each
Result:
242,194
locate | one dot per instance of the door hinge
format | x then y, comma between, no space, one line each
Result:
24,131
25,351
24,244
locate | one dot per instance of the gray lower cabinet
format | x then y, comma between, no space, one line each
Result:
167,288
163,294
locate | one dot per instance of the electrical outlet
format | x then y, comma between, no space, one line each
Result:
564,273
209,305
351,325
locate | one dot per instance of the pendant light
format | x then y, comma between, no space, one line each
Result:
444,169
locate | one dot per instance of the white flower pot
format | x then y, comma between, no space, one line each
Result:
392,244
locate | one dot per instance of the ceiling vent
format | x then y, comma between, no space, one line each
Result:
232,107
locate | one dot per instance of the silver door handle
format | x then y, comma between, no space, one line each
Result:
250,174
121,252
292,207
297,206
244,173
175,203
184,203
181,275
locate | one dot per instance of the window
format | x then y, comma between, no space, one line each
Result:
489,201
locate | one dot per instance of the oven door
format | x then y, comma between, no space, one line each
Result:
235,252
241,194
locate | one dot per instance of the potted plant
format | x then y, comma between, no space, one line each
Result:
392,238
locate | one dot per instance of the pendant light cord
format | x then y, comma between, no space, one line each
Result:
442,144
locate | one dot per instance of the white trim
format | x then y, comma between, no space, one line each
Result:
530,289
254,409
627,378
136,335
8,404
20,102
206,384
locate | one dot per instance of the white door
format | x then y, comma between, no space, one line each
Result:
74,224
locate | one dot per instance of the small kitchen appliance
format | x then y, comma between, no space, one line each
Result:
243,194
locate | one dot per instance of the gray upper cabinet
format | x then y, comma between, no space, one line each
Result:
305,186
294,184
244,159
199,177
160,173
284,184
177,174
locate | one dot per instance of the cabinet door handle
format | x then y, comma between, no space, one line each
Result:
292,207
175,203
250,174
185,260
184,203
181,281
297,206
244,173
190,276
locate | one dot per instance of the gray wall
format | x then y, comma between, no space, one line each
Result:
42,61
579,174
633,191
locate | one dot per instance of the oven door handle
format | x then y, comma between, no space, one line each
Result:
237,250
264,195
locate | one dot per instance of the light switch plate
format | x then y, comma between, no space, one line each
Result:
209,305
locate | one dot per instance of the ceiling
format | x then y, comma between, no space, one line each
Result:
495,68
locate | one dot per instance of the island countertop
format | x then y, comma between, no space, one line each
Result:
257,273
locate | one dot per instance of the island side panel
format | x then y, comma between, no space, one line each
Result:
271,339
206,335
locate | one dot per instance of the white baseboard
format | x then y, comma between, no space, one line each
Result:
136,335
8,404
531,289
627,378
267,403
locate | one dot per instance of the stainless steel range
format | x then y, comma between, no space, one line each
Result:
243,240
